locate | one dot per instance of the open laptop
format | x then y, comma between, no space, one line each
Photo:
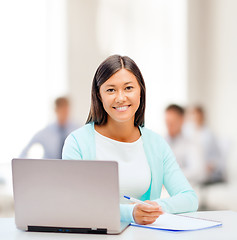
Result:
67,196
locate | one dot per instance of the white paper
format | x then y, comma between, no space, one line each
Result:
174,222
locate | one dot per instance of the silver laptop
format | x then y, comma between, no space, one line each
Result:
67,196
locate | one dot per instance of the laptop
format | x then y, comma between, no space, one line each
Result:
69,196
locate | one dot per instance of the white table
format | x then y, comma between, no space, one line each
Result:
228,231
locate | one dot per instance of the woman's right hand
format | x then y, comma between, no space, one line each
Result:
143,214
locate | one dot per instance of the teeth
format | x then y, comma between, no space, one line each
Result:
122,108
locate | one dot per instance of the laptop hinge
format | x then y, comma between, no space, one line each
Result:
67,230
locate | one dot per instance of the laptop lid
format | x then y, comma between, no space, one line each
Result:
66,195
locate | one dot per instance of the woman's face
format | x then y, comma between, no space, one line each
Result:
120,96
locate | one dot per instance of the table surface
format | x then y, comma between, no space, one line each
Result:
227,231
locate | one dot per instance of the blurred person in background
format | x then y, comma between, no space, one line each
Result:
48,142
186,152
196,129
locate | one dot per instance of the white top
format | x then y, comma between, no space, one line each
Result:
188,156
209,148
134,171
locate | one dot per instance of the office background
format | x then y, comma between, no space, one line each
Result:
186,50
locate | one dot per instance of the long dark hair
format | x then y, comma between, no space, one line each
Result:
107,68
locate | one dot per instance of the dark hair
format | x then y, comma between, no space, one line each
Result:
107,68
174,107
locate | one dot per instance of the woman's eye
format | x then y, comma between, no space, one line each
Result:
129,88
110,90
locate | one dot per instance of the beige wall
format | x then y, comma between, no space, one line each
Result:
212,59
83,56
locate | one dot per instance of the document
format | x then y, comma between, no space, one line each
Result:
172,222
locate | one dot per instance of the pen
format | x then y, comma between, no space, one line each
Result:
137,200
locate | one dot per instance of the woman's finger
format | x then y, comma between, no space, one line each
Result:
152,214
150,210
154,208
149,220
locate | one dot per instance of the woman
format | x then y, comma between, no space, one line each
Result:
115,131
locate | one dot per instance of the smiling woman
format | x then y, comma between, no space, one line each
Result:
116,104
119,78
115,131
120,96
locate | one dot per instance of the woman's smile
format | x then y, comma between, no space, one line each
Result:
122,108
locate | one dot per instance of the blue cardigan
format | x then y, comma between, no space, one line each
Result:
80,144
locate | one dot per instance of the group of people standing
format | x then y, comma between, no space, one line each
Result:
196,148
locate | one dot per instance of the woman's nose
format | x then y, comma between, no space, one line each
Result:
121,96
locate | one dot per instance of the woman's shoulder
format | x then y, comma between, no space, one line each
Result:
154,141
85,131
80,143
150,134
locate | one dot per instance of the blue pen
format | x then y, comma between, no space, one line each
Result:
137,201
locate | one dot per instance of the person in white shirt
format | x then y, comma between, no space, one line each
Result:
196,129
187,153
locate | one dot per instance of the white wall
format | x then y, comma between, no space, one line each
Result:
33,71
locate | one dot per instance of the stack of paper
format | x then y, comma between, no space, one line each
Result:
172,222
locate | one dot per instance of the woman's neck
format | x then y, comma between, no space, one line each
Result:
123,132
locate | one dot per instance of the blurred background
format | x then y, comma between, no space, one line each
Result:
185,49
